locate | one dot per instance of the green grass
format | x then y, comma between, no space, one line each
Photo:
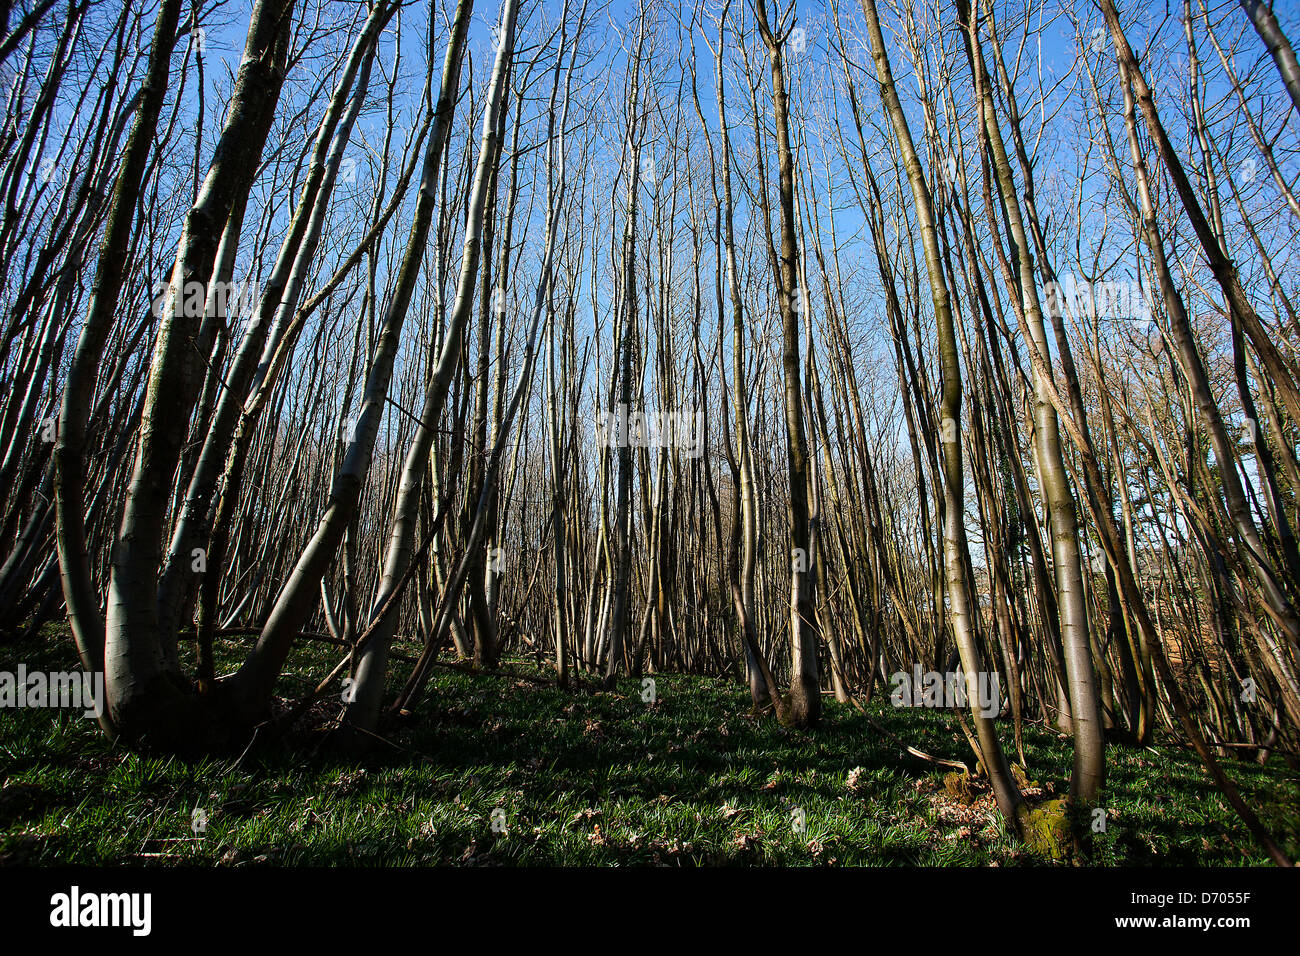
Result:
590,779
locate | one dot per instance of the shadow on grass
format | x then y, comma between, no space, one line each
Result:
497,770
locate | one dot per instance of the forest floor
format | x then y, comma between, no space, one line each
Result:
505,770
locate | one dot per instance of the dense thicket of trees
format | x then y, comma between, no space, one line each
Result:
801,345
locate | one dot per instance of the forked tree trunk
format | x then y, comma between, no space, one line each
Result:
251,687
143,701
363,711
805,702
962,611
79,389
1089,774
